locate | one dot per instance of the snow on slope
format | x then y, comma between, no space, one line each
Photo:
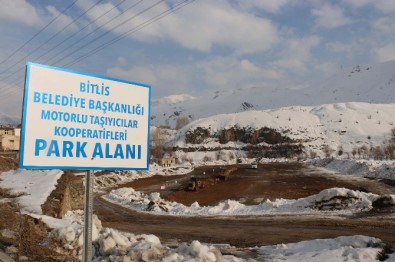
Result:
373,84
369,83
347,124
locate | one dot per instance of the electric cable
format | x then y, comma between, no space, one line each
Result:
49,39
107,32
137,28
65,49
36,34
96,29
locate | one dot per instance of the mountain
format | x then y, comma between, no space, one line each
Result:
368,83
343,125
372,84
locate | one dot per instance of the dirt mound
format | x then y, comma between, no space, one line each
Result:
22,237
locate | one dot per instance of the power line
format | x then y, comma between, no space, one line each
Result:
88,42
96,29
116,39
75,33
67,48
136,29
49,39
39,32
107,32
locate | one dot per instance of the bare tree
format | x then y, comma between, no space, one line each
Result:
363,151
313,154
389,151
181,122
378,153
327,151
354,152
157,142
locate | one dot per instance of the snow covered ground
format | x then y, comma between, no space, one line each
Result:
350,248
33,187
360,167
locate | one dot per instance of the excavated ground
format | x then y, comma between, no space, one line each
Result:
251,186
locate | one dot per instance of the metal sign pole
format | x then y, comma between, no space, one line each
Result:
88,211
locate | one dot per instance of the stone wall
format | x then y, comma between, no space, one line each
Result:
68,195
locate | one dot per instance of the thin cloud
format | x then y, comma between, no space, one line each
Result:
23,12
386,53
385,6
201,26
271,6
330,16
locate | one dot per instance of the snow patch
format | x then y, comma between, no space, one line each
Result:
347,248
333,200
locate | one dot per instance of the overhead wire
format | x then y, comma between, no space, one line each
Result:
96,29
49,39
39,32
78,49
109,31
77,32
136,29
165,13
72,45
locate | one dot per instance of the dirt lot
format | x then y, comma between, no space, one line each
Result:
269,181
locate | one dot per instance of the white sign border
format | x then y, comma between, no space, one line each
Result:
24,108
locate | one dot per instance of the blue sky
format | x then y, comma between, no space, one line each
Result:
205,46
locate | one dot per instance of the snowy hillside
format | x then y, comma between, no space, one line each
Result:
368,83
349,125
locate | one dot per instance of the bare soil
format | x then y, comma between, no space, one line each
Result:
8,162
251,186
28,237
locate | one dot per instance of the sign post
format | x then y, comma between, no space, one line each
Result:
78,121
88,208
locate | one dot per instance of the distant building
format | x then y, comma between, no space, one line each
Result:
9,138
166,161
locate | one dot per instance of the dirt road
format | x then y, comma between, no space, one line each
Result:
282,180
241,231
